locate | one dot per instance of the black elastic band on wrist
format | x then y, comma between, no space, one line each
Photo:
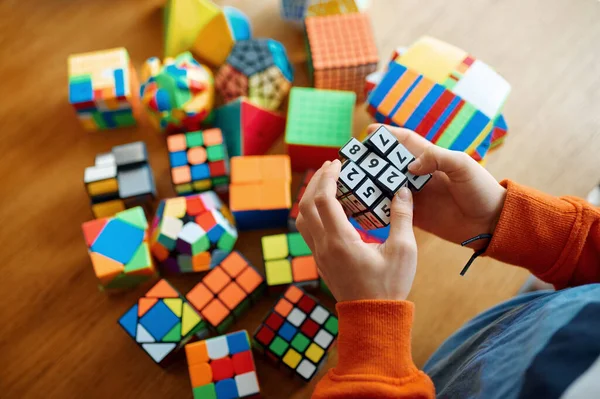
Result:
476,253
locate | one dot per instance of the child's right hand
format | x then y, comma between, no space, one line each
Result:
462,199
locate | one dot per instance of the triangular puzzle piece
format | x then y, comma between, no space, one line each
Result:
134,216
143,335
162,289
174,304
92,229
158,351
106,269
174,335
189,319
144,304
129,320
140,261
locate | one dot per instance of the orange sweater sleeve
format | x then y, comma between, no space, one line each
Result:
374,354
557,239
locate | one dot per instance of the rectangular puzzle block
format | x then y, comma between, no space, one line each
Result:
162,322
297,333
295,206
223,367
226,292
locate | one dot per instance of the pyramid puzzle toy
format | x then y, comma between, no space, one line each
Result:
162,322
179,94
288,260
297,333
259,193
120,179
199,161
298,10
226,292
296,205
119,250
238,22
223,367
373,171
192,234
319,122
103,88
341,52
445,94
248,128
258,69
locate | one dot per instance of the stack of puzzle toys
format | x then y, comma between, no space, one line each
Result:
120,179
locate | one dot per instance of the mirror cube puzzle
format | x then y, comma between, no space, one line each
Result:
319,122
178,94
258,69
103,88
288,260
223,367
297,333
226,292
120,179
297,10
192,234
162,322
342,52
295,206
118,248
248,128
445,94
199,161
373,172
259,193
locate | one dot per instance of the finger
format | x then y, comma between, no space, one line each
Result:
401,220
307,207
457,165
414,142
305,232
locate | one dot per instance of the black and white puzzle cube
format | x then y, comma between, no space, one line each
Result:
372,172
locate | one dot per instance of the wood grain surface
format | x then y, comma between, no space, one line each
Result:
58,334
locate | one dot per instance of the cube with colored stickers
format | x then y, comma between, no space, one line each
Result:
119,250
199,161
223,367
319,122
227,292
298,10
162,322
192,234
103,89
295,206
297,333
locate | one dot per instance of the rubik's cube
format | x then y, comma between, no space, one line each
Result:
162,322
319,122
258,69
118,248
103,88
223,367
297,333
248,128
120,179
192,234
259,194
226,292
296,205
178,94
199,161
342,52
445,94
373,171
297,10
288,260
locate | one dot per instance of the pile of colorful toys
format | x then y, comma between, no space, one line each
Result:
218,97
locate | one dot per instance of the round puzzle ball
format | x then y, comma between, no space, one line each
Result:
178,93
258,69
239,23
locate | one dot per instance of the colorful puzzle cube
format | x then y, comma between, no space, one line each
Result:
319,122
103,89
297,10
162,322
342,52
179,94
118,248
192,234
223,367
238,22
288,260
258,69
259,194
443,93
295,206
226,292
297,333
199,161
120,179
248,128
373,171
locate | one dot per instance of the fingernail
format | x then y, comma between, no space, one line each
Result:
404,194
337,161
415,165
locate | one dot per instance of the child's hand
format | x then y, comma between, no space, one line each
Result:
462,199
351,268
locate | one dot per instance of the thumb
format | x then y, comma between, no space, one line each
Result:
457,165
401,220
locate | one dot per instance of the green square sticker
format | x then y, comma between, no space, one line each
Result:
278,346
205,392
215,152
194,139
331,325
300,342
297,245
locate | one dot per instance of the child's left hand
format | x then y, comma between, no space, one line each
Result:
351,268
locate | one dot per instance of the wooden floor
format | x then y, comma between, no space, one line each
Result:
58,334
